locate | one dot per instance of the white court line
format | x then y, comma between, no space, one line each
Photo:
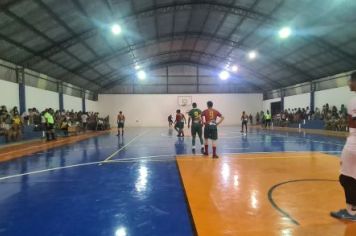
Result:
140,158
116,152
85,164
277,152
46,170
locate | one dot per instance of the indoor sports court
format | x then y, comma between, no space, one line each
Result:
177,117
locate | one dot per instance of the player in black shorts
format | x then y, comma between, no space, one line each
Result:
196,128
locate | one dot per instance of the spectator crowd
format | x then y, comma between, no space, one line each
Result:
333,118
12,123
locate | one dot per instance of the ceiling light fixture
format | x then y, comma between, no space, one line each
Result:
234,68
252,55
285,32
141,75
224,75
116,29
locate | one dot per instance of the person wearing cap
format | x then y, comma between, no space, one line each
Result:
347,177
210,122
196,127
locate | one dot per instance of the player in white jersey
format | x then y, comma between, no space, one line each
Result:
348,162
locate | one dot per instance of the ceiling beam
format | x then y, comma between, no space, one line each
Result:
210,57
161,9
172,63
210,37
33,29
184,6
19,45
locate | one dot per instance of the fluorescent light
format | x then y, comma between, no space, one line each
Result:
224,75
116,29
141,75
252,55
234,68
285,32
120,232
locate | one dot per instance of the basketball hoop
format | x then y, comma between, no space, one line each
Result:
184,101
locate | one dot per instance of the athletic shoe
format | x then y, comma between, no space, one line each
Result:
215,156
193,151
206,154
343,214
202,150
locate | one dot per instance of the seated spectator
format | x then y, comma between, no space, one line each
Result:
25,116
14,133
65,125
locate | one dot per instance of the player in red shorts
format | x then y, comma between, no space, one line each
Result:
209,117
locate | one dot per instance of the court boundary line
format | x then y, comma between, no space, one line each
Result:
238,153
188,207
279,209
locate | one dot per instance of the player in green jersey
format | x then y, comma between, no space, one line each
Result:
195,117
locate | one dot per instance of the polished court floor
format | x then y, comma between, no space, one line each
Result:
149,183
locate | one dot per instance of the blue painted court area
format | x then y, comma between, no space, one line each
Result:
72,190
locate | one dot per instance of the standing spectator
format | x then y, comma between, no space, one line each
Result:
343,110
267,119
170,120
210,129
250,118
49,125
257,118
348,163
84,118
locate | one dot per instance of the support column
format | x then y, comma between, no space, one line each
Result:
198,81
167,74
60,94
20,77
282,100
83,101
312,96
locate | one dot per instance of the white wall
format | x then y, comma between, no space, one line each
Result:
335,97
41,99
153,110
267,103
9,94
72,103
92,105
297,101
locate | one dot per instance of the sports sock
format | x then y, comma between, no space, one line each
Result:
351,209
214,151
